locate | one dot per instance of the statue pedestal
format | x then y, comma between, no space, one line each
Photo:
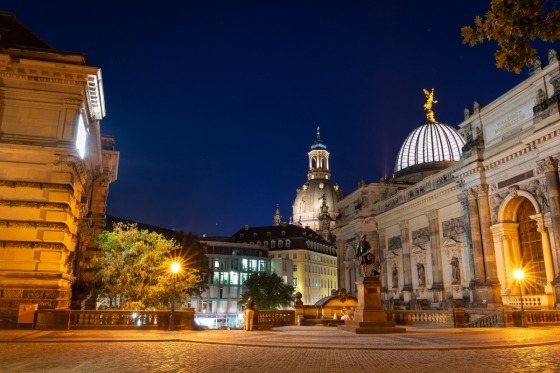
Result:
370,316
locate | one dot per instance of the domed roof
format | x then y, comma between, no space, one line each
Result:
429,148
317,198
430,143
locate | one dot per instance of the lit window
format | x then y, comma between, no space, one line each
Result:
81,137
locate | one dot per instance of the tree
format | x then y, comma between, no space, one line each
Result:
514,25
268,291
132,268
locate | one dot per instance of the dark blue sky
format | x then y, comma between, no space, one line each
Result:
214,104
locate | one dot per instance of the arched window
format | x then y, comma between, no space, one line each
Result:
530,247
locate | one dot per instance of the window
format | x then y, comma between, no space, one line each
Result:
288,242
530,246
81,137
252,265
235,278
295,281
272,244
294,255
295,267
280,244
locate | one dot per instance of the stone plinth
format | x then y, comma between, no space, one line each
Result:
370,316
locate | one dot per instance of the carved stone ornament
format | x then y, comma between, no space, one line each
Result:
395,243
453,227
482,190
552,56
421,235
513,190
550,164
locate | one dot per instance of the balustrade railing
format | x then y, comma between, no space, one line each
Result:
550,317
426,318
495,319
271,318
112,319
529,300
184,319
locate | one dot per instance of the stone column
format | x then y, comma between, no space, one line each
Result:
550,167
547,254
406,264
382,262
478,255
348,264
502,253
487,242
407,270
435,247
553,186
488,293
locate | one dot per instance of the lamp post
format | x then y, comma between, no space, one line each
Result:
519,275
175,268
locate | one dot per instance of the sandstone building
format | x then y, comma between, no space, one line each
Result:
55,167
466,207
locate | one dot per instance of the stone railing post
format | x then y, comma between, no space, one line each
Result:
458,317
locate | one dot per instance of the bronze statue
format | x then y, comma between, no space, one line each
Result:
367,258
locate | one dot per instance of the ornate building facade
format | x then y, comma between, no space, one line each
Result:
451,226
314,206
55,167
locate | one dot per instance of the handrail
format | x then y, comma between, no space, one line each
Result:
495,319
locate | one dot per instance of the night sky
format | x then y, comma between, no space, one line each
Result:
215,104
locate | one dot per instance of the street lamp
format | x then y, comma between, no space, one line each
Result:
519,275
175,268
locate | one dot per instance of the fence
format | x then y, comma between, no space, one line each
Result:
113,319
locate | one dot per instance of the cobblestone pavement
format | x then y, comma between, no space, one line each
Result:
289,349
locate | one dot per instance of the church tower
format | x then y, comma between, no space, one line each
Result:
315,203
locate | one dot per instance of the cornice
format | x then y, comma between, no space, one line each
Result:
91,82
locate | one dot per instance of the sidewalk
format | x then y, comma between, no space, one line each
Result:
311,337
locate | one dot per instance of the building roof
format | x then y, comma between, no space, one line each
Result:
15,34
428,144
300,238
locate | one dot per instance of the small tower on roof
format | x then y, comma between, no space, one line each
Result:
277,216
318,193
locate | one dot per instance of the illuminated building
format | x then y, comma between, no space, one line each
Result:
232,264
55,167
465,207
313,259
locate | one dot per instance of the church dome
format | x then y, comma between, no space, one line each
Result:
428,149
315,203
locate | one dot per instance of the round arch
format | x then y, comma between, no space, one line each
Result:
510,205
